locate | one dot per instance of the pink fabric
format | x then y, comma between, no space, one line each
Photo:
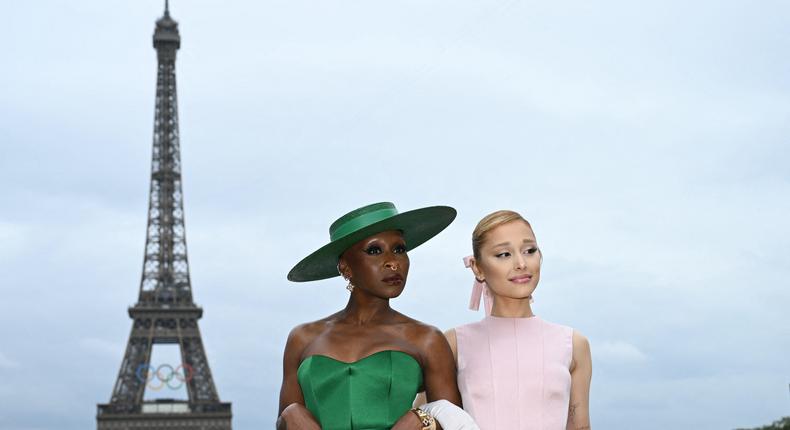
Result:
479,289
513,373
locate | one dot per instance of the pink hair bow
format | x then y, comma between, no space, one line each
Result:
479,289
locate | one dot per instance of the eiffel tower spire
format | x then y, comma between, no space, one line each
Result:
165,312
165,278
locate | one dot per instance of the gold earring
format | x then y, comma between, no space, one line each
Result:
350,286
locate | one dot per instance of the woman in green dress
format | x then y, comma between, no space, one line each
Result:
361,367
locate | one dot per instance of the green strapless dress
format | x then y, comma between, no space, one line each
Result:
371,393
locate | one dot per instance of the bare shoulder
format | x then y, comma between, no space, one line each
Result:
423,335
581,350
580,342
303,334
452,339
422,328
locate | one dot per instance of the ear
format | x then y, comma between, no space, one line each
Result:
343,268
479,275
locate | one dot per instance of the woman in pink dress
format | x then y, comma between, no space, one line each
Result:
515,370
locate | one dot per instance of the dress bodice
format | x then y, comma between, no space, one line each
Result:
371,393
513,373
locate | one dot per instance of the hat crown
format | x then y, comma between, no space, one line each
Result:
361,218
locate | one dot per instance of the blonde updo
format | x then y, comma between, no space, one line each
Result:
490,222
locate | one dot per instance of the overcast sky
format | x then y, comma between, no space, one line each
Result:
647,142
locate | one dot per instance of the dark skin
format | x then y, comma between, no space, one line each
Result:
377,266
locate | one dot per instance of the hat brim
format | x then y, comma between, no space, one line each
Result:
417,226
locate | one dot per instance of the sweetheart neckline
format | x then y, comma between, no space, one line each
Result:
360,359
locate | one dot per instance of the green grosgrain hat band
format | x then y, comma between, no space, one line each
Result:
363,220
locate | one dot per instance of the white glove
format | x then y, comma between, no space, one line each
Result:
450,416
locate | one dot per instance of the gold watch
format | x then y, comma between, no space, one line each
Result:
428,423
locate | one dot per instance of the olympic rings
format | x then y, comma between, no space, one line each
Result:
146,373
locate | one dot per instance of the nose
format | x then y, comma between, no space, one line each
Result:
391,265
520,261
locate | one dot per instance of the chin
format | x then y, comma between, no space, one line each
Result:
394,294
397,293
520,294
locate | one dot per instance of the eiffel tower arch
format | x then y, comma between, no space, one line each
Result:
165,312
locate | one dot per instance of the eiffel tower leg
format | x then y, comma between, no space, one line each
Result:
201,384
130,386
128,411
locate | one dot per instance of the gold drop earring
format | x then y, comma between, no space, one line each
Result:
350,286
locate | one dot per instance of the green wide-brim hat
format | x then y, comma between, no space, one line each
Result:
417,226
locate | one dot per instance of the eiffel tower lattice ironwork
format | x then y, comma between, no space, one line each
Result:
165,312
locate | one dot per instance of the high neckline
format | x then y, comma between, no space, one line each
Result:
496,318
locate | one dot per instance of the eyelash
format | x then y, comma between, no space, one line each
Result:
375,250
507,254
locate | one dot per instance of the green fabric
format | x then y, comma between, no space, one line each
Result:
349,224
369,394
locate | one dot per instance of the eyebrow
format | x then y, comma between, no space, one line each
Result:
378,242
508,243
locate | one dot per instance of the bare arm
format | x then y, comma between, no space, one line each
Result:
439,375
440,371
581,374
292,412
421,398
290,391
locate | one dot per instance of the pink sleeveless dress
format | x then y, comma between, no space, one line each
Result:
513,373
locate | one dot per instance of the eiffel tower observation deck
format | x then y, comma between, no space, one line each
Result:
165,312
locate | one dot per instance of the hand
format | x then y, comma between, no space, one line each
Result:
297,417
450,416
409,421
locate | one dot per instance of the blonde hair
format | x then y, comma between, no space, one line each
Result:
490,222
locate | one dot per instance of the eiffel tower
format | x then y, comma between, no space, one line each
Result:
165,312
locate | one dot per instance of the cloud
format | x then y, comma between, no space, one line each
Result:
616,352
102,347
13,237
7,363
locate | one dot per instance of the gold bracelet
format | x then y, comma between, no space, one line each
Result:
428,423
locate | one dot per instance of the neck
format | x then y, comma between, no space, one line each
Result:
506,307
362,308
